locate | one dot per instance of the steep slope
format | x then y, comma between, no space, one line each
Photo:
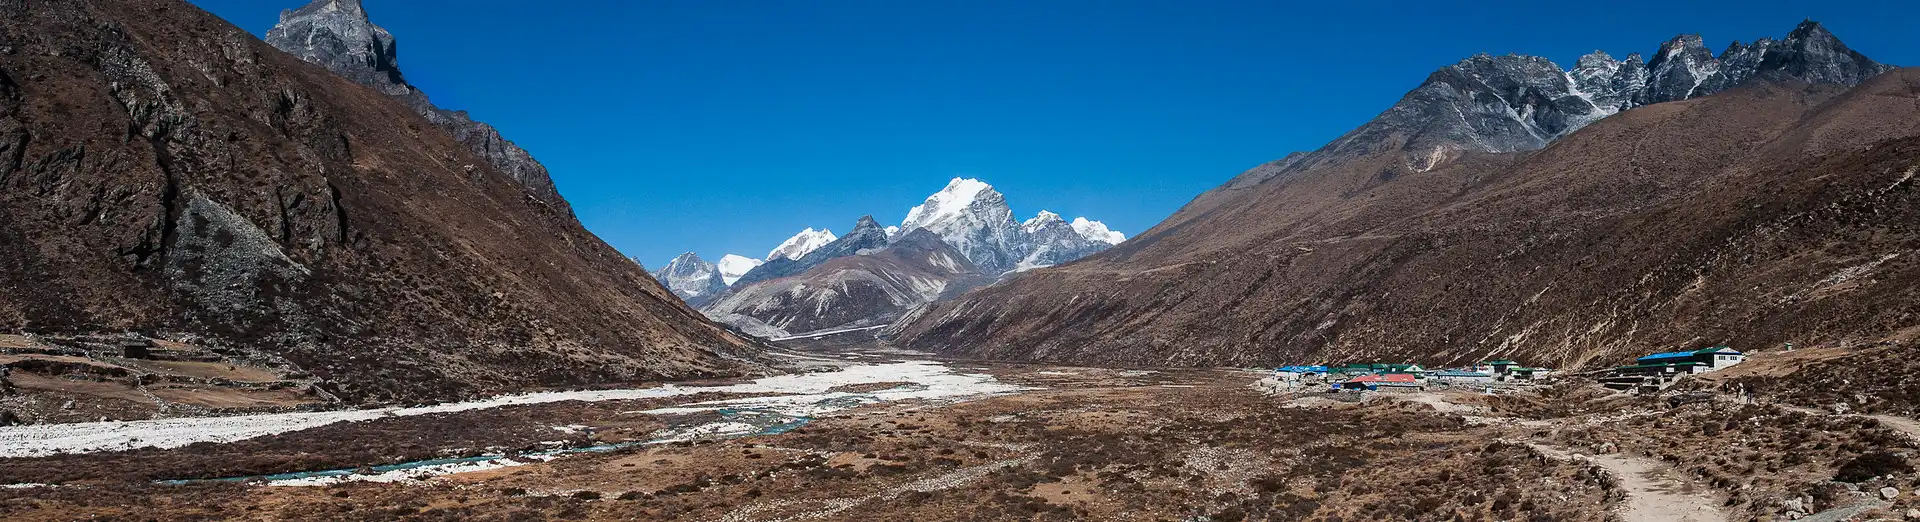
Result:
867,235
1751,217
338,35
851,291
165,173
693,279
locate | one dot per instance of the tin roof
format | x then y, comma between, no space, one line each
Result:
1456,373
1683,355
1661,365
1387,378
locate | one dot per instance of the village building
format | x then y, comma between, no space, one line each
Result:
1499,367
1506,370
1697,361
1659,370
1463,377
1383,381
1378,368
1297,372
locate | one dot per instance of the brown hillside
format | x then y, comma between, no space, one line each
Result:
1770,214
165,173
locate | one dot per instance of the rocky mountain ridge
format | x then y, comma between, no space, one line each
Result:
1514,103
975,218
164,174
339,35
1447,230
968,216
852,291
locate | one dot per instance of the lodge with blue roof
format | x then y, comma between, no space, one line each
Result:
1661,369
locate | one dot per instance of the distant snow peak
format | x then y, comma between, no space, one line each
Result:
960,195
1097,231
733,266
973,218
693,279
802,244
1518,103
1041,220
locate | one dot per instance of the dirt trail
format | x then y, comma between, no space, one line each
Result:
1910,427
1654,492
1902,424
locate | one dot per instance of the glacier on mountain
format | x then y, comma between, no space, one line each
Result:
732,266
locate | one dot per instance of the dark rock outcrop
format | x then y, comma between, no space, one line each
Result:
1518,103
1684,68
165,173
1050,241
338,35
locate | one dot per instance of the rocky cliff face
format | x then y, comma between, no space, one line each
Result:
975,219
165,173
1440,233
338,35
1520,103
1683,67
1051,240
693,279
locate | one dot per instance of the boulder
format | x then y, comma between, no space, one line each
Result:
1887,493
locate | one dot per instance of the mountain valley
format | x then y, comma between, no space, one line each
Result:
263,277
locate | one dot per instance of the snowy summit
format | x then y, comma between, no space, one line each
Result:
1097,231
732,266
801,244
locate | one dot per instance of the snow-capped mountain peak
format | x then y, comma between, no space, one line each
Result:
960,195
973,218
802,243
1097,231
733,266
1039,221
693,279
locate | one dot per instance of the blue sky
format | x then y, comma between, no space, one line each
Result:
722,126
